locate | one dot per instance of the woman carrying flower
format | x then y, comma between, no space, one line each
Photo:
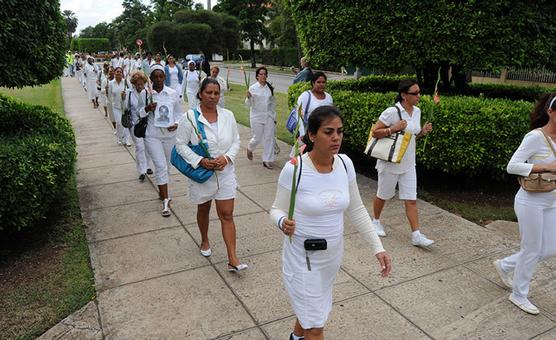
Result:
222,138
327,187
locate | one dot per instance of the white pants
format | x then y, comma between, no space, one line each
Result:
160,150
265,133
192,100
122,134
537,227
142,157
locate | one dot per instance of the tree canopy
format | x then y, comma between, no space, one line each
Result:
388,35
33,40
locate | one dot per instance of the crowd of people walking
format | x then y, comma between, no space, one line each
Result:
152,93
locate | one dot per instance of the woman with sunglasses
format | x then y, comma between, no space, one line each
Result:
402,174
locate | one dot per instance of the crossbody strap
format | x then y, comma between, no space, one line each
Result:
301,167
548,141
305,117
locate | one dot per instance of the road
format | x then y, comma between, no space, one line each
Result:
280,81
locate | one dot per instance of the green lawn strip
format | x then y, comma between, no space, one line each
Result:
54,287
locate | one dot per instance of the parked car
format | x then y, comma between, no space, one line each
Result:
197,58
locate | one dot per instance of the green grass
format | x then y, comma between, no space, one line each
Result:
235,101
45,273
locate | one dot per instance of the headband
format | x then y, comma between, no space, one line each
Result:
551,102
155,67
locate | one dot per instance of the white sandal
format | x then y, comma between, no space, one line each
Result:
166,207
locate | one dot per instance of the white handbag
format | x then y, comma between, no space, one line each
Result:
390,148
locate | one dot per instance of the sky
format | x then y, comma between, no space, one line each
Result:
92,12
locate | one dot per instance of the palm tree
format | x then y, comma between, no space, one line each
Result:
71,20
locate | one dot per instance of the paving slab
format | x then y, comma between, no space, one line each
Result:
508,228
103,160
117,194
108,174
254,235
143,256
442,298
84,324
251,334
194,304
129,219
498,319
362,317
548,335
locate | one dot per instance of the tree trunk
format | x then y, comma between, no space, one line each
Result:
460,79
252,46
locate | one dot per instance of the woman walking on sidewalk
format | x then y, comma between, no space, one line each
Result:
312,253
536,211
174,75
164,112
262,117
137,98
116,90
222,138
404,115
91,73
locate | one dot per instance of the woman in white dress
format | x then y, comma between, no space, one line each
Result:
192,81
536,211
214,71
164,113
174,75
116,91
262,117
327,188
91,72
222,139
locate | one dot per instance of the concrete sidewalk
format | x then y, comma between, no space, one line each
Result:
152,283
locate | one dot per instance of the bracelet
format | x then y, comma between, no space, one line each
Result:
280,223
389,131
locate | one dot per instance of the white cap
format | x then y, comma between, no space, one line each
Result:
155,67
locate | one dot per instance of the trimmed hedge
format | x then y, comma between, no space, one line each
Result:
276,56
389,83
472,136
37,157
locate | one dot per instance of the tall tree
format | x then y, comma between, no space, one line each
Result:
132,23
166,9
33,41
252,18
71,22
100,30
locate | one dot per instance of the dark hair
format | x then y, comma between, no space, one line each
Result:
316,118
316,76
206,83
404,86
539,116
267,83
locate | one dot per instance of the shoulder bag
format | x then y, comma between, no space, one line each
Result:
539,181
140,128
126,116
390,148
291,123
199,174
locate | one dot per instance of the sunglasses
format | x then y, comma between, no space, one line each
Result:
414,93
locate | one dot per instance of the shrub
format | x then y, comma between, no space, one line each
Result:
389,83
472,136
37,156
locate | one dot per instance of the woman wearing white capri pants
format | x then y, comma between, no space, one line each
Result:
164,114
536,211
262,117
404,173
327,188
192,81
222,139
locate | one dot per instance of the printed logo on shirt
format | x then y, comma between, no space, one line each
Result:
329,198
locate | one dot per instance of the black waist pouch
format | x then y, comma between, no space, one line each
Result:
315,244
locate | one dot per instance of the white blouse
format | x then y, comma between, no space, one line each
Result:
262,103
115,92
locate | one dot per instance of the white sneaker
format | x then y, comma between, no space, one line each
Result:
525,305
379,227
506,277
421,240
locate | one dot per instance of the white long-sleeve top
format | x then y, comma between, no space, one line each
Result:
192,81
534,149
321,201
115,90
137,101
224,142
160,132
262,103
302,101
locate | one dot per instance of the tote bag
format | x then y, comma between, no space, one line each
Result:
390,148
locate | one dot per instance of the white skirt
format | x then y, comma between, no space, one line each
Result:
221,186
310,292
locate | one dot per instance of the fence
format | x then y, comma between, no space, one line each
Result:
538,75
